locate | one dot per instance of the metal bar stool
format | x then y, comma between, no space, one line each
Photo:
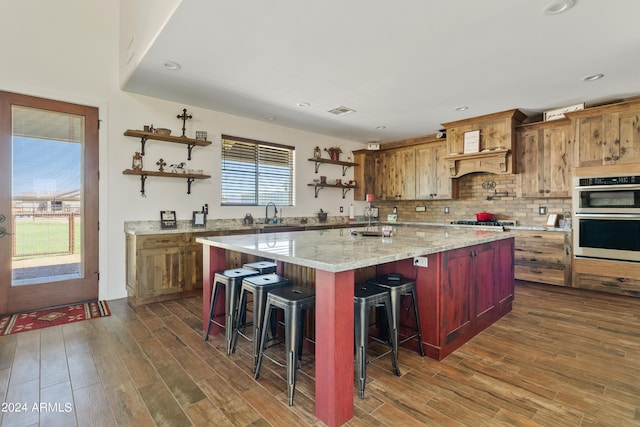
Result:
231,280
367,296
264,267
259,287
399,287
293,300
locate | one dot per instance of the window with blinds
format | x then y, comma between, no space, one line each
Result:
255,173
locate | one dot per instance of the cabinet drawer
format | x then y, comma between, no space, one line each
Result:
161,241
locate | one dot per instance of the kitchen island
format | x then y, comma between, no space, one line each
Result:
466,286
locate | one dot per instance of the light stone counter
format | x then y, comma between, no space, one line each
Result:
338,250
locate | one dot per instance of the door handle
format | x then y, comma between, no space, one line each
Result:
3,232
2,218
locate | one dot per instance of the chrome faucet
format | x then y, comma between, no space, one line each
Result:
267,220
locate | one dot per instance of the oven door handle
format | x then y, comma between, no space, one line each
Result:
607,215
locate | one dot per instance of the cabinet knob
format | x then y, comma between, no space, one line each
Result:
616,157
607,159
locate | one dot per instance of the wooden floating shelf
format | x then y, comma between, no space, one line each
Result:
345,165
144,136
345,188
143,174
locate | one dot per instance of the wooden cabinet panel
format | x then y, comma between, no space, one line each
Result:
607,135
616,277
544,160
455,302
484,277
399,174
160,271
432,177
543,257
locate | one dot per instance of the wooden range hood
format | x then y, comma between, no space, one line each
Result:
497,136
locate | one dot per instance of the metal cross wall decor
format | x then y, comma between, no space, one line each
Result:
184,118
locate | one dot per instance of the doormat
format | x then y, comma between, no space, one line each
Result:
29,321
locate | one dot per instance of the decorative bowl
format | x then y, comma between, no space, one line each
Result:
163,131
484,216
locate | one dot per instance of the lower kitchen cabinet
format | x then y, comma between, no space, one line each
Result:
543,257
614,277
461,293
162,266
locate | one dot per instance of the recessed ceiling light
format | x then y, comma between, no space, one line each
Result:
270,118
303,104
593,77
464,108
171,65
557,7
381,127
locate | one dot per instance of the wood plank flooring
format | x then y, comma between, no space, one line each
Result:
561,358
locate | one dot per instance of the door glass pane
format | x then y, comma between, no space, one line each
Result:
46,196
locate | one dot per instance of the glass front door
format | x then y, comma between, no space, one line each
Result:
49,168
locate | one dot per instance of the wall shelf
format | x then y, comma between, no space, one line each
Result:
190,177
345,188
345,165
144,136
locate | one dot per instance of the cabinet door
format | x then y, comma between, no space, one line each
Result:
399,174
160,271
528,154
557,161
592,148
627,144
432,179
484,299
192,262
455,293
504,269
542,257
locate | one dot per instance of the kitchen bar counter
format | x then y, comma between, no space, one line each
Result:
467,285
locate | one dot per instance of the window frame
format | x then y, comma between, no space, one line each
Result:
256,176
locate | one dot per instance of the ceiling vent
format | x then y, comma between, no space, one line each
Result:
341,111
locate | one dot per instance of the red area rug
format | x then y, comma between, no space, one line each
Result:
21,322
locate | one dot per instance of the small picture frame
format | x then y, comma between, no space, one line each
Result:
472,141
199,219
168,219
552,220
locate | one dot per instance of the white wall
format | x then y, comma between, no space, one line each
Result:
71,54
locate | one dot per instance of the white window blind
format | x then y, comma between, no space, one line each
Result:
255,173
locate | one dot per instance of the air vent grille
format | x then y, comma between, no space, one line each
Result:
341,111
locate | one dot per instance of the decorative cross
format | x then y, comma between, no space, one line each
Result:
184,118
161,163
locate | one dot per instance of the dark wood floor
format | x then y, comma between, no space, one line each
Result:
560,358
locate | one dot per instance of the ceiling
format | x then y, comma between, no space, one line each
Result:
404,65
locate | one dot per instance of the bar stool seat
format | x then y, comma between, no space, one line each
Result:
259,286
293,300
230,280
367,296
264,267
399,287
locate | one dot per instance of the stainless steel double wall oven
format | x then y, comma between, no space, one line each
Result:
607,217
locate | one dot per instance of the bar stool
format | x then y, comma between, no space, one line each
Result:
259,287
230,280
293,300
399,287
264,267
367,296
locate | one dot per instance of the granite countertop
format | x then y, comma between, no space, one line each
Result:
338,250
216,225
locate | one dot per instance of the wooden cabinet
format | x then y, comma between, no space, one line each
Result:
412,172
615,277
543,257
476,289
432,180
607,135
162,266
399,174
544,159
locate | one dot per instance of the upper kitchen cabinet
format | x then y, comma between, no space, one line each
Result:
607,135
432,178
399,174
544,159
494,152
